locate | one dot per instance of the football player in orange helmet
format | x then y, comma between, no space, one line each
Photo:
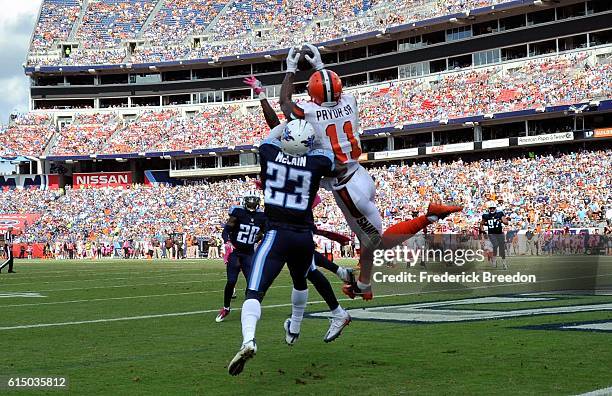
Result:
335,118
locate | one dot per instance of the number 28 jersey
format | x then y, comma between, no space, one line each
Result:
291,184
336,128
248,226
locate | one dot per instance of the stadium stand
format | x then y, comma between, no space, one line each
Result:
107,22
548,191
56,20
86,134
237,27
547,81
27,134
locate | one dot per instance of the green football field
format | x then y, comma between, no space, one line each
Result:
142,327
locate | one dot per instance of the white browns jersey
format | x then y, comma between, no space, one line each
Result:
336,128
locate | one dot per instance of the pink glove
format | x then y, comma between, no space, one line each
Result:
229,248
316,201
255,84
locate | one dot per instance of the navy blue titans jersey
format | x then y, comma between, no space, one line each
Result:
494,222
291,184
248,225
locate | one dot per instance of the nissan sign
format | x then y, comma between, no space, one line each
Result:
111,179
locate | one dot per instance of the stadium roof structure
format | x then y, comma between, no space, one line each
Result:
278,52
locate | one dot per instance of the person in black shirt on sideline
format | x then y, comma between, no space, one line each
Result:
494,220
8,250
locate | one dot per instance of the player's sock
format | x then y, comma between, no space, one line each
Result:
399,232
251,312
299,298
363,286
324,288
342,274
339,311
227,294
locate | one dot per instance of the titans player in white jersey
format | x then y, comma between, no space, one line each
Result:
335,118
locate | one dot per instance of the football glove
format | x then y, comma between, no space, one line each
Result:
292,60
229,248
254,83
315,60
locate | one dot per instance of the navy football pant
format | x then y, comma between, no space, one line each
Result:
321,261
499,243
236,262
277,248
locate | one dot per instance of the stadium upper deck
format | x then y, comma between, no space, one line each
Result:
81,32
550,85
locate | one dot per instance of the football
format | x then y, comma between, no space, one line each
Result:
303,64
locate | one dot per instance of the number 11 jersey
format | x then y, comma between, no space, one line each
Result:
336,128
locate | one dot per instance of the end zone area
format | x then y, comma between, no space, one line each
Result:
148,327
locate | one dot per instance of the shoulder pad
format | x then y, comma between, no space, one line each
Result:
235,208
270,141
324,153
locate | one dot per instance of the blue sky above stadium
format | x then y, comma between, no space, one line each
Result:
17,18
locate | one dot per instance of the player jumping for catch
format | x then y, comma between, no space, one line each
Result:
335,119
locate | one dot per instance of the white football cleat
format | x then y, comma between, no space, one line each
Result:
346,275
290,338
246,352
223,312
336,325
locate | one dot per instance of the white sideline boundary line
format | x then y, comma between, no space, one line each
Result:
189,313
129,297
598,392
102,279
38,275
141,317
120,286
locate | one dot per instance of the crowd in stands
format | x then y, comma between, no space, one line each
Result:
27,134
558,80
86,134
561,80
542,192
178,19
57,18
233,27
107,22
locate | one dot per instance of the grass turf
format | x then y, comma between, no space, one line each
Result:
175,347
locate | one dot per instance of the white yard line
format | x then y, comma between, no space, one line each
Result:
599,392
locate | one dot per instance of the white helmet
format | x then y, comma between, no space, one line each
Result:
297,138
492,206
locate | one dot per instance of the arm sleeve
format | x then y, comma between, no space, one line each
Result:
226,233
277,131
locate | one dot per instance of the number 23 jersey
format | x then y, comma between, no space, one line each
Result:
336,128
248,226
291,184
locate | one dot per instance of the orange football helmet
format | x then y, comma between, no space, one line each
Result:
325,88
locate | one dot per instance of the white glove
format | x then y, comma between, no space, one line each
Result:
292,60
315,61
